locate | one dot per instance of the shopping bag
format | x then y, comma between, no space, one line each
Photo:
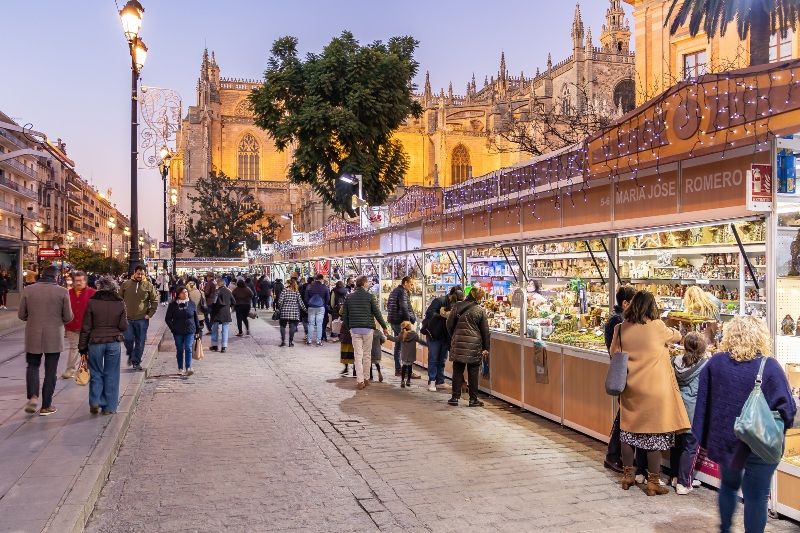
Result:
540,363
197,350
82,375
760,427
336,326
252,314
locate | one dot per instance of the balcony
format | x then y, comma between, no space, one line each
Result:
71,211
10,138
16,165
16,187
75,228
12,208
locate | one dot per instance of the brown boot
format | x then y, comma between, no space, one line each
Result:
628,477
653,486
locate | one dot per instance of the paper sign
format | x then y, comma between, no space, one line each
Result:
759,188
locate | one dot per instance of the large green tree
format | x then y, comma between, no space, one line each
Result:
83,258
758,18
337,111
224,214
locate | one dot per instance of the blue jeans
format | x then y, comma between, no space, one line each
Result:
183,343
104,375
221,336
396,332
315,323
754,480
135,337
437,355
682,457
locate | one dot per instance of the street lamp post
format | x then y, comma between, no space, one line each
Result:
163,167
111,225
131,17
173,197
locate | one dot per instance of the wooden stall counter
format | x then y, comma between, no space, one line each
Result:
505,368
587,408
542,386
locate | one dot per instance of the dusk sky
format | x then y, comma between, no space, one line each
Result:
65,66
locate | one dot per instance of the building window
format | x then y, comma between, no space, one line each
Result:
566,104
460,167
248,158
694,64
780,48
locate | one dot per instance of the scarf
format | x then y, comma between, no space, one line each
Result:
184,302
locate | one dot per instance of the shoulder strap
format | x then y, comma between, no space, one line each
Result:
619,335
761,370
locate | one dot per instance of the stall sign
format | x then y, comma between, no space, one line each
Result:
299,239
322,267
707,466
165,250
50,252
759,188
377,216
441,268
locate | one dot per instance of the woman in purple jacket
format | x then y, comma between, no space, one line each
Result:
725,383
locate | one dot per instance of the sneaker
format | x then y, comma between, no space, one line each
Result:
189,372
224,349
452,401
291,345
432,386
180,372
94,409
213,348
696,483
641,479
68,374
47,411
345,371
240,334
683,491
138,368
248,333
408,383
319,343
282,344
475,403
109,412
30,407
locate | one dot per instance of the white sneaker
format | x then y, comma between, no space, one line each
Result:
180,371
432,386
683,491
642,479
696,483
189,372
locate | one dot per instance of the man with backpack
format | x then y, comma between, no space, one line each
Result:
316,300
399,310
434,326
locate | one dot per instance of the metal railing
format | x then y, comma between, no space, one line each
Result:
12,208
20,167
16,187
11,138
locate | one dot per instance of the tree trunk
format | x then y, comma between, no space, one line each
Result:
759,36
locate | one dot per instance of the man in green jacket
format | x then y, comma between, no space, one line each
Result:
141,302
360,313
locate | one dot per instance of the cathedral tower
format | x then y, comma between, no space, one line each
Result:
616,35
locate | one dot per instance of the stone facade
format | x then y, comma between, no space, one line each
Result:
451,142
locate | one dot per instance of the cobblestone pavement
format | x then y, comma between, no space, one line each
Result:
271,439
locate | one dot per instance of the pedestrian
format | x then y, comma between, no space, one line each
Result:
398,309
378,338
221,316
198,298
79,296
337,297
5,286
434,326
726,382
277,289
45,308
468,328
289,306
92,280
613,460
687,371
183,322
316,300
209,292
651,408
304,314
104,322
361,310
265,292
243,297
141,303
350,284
163,286
408,340
250,284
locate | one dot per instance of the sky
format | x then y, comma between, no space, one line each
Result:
65,66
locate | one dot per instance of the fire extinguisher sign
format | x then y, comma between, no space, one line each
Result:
759,188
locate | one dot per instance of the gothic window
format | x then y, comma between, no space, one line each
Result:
566,107
248,158
625,95
244,109
459,163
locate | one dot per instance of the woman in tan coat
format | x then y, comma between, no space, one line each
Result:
651,408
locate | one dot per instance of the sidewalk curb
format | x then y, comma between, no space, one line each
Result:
78,504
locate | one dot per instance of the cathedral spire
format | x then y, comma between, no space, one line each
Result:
473,82
589,43
501,77
577,28
549,61
450,93
427,95
616,35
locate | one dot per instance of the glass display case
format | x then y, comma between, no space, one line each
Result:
393,270
567,292
443,271
667,263
496,270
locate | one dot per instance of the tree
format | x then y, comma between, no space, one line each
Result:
83,258
759,18
544,124
226,214
337,111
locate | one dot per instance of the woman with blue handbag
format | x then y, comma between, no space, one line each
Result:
724,400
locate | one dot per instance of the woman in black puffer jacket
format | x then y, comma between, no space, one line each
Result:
468,328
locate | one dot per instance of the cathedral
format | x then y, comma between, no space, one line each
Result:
451,142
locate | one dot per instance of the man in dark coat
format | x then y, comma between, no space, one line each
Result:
398,310
468,327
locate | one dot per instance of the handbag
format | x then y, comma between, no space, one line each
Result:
82,375
758,426
276,315
197,350
617,375
252,314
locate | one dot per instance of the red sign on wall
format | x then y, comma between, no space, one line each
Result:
50,252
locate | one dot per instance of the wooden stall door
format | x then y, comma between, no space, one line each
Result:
545,397
586,403
506,369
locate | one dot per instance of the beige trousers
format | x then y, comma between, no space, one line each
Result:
72,359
